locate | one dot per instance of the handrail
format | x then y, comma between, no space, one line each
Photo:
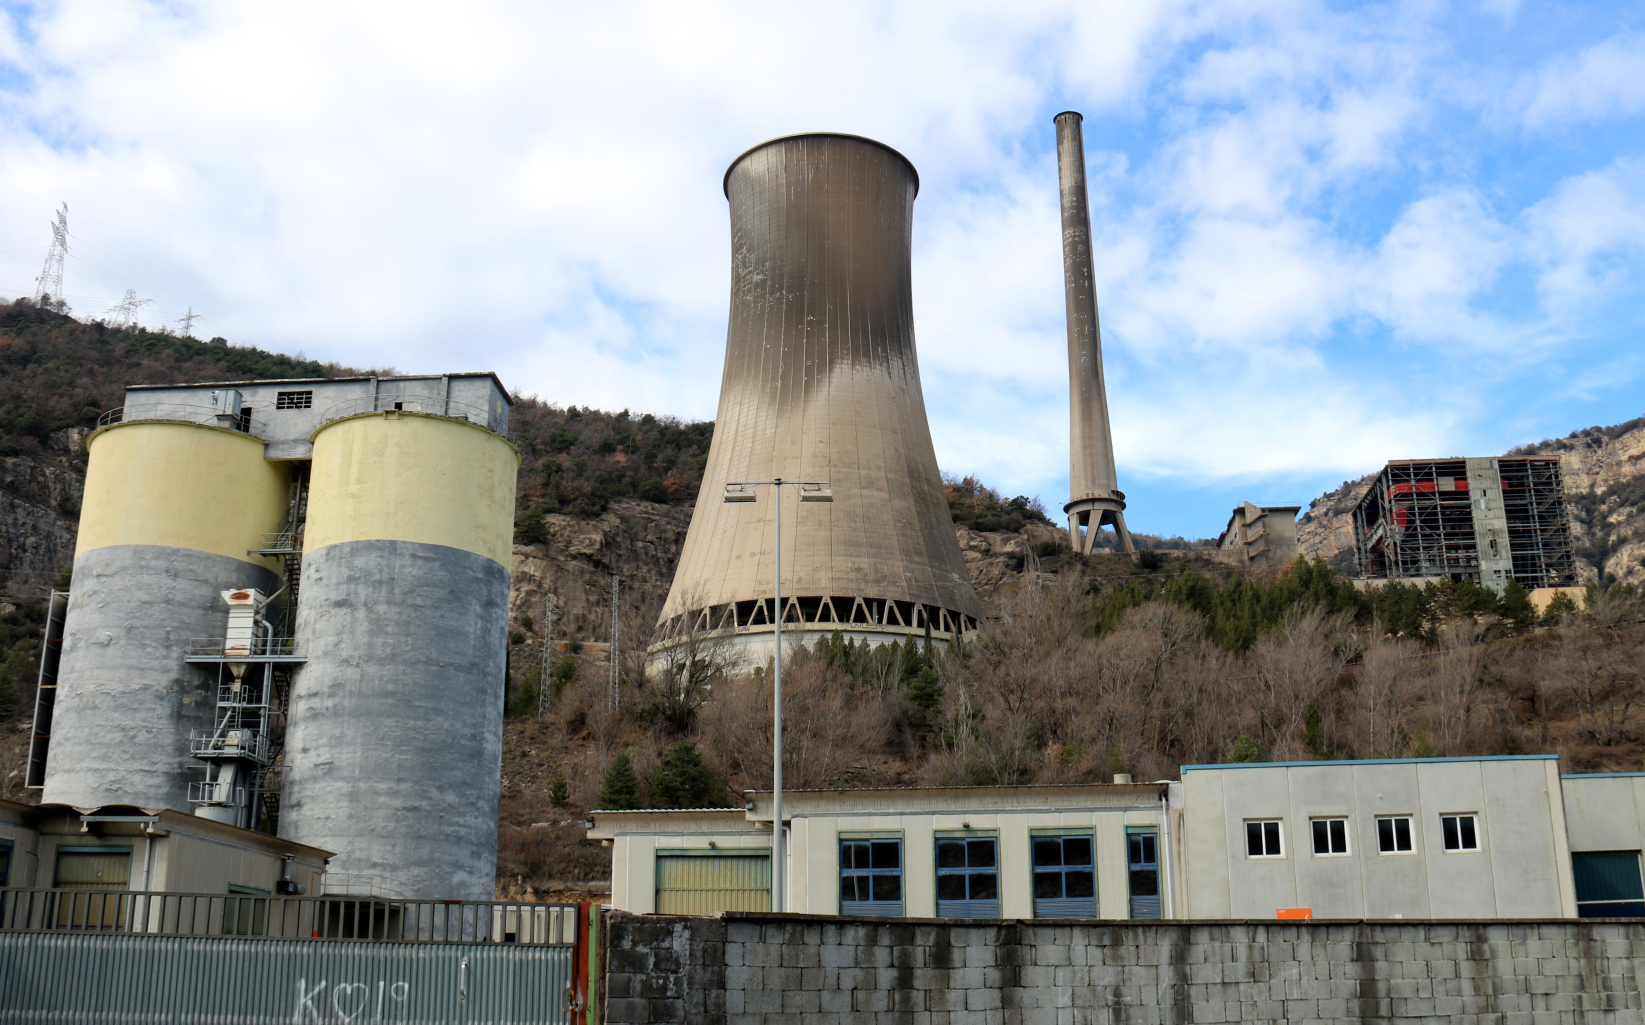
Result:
256,648
211,416
357,918
431,405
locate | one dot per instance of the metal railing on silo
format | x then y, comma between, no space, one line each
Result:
177,412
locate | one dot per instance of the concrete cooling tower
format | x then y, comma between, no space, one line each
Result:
822,383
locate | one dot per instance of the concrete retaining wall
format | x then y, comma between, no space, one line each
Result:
752,969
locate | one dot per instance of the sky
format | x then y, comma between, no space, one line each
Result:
1326,235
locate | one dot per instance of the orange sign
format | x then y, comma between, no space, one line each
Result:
1305,914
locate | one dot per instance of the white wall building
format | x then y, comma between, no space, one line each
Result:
1407,838
1431,838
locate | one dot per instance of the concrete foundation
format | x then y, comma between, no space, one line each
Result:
127,700
394,744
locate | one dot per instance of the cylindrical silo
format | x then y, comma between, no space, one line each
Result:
170,512
822,383
394,742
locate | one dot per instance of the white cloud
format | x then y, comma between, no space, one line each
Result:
1604,81
536,189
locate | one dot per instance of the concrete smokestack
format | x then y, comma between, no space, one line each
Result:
822,383
1094,496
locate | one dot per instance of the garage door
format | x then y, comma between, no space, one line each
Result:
700,883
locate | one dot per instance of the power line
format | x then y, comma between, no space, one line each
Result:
187,320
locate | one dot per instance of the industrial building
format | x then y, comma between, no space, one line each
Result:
1489,520
289,613
1421,838
1260,537
821,385
114,849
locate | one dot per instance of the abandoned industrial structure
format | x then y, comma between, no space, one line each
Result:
821,385
1488,520
289,614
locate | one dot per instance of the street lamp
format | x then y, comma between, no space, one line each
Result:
810,491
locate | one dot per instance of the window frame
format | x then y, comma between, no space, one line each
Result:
1410,829
885,908
7,850
294,399
968,907
1472,818
1279,838
1327,821
1062,906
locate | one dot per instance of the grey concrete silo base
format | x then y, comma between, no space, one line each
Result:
394,746
127,700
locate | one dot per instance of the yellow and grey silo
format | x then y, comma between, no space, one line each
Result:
170,512
394,743
822,383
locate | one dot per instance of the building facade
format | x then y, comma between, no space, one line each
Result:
159,851
1416,838
1260,536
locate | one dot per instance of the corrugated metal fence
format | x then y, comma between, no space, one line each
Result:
146,960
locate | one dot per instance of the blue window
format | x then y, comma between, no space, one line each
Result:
968,877
871,877
1143,845
1608,884
1065,877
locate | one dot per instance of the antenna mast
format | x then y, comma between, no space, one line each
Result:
50,292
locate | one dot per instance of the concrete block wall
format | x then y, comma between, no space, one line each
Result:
762,969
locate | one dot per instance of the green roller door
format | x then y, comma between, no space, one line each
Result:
690,882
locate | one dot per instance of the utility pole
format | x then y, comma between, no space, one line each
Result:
50,292
810,491
616,679
548,654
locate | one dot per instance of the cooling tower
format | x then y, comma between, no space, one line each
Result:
394,744
822,383
1094,495
170,511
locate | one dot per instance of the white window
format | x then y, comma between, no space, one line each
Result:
1330,836
1262,839
1394,834
294,400
1461,832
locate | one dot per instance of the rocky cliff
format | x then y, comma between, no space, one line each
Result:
1604,471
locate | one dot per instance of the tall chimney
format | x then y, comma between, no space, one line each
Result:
822,383
1094,496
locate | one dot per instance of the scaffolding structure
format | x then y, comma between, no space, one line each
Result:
1482,519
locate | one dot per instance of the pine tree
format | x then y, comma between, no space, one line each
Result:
1516,607
1246,749
682,780
619,787
1313,733
558,792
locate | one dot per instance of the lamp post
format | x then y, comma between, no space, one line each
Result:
810,491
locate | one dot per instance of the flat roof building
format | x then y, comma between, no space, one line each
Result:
1418,838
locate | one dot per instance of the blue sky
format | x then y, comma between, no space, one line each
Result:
1327,235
